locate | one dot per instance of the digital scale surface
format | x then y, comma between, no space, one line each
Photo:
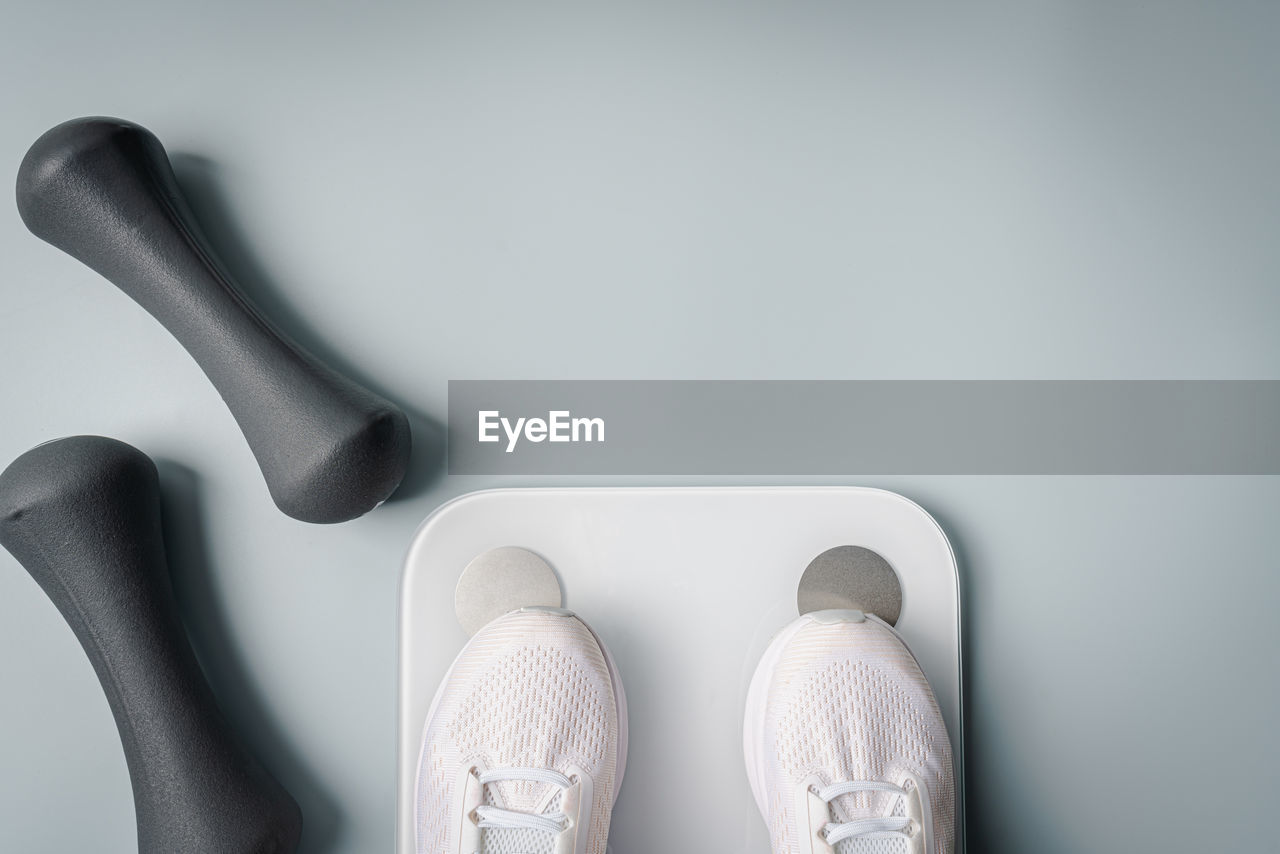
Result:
686,586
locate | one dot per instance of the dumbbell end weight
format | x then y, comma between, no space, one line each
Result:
82,515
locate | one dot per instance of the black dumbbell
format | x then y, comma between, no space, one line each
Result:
102,190
83,516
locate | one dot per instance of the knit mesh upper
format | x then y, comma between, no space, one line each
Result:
849,703
531,690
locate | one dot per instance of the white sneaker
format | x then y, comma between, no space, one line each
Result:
525,743
846,748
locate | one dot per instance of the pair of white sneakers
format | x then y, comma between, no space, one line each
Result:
525,744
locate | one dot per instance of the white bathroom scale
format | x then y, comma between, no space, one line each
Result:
686,586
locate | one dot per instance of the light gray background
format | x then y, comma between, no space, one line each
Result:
683,190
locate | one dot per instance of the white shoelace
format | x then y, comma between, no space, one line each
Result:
497,818
887,827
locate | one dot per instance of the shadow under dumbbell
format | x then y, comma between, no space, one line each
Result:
204,616
198,178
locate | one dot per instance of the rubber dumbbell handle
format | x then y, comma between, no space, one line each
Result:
103,191
83,516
